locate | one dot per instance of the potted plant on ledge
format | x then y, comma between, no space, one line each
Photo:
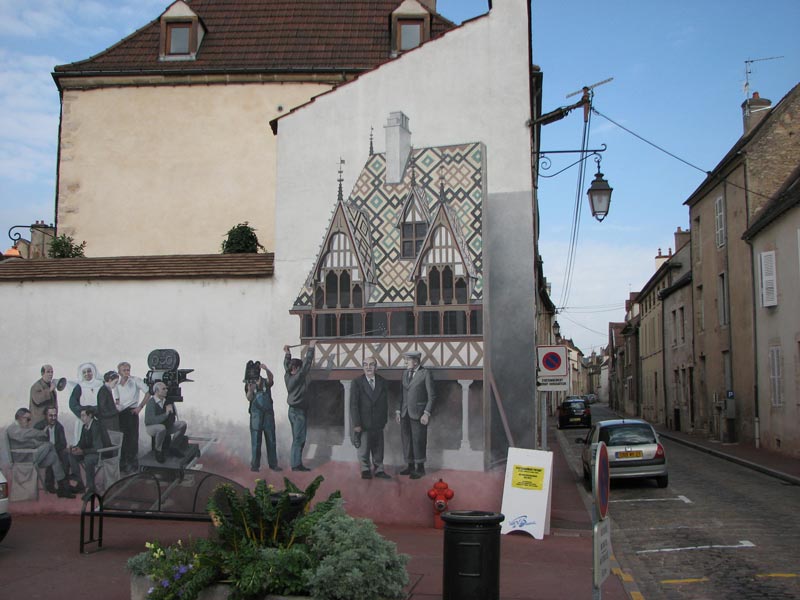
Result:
270,545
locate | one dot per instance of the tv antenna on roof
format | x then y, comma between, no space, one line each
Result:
589,87
748,69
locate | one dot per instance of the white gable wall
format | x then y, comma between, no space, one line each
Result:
469,85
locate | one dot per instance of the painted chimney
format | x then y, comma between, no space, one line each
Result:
681,238
398,146
753,110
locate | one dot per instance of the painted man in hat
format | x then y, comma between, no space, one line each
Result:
415,411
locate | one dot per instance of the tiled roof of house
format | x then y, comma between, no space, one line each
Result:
460,168
266,35
205,266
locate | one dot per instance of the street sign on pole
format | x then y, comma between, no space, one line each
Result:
553,369
601,483
601,534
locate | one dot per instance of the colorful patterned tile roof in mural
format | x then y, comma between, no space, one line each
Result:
374,208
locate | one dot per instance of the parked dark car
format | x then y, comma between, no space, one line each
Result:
574,412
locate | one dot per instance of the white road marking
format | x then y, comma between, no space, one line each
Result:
741,544
683,499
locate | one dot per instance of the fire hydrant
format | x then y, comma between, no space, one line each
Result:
440,493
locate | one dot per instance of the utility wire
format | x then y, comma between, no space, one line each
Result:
686,162
561,314
576,215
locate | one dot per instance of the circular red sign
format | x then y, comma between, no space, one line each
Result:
602,480
551,361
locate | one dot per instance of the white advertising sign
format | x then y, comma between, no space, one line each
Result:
527,492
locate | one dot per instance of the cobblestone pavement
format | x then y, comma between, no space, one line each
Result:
718,531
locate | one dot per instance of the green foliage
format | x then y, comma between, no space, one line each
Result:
355,562
63,246
241,239
270,542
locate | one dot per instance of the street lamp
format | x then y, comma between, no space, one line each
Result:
556,329
599,194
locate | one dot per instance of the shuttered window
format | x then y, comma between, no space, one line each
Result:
719,220
769,282
775,375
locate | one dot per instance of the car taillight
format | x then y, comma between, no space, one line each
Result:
3,491
588,411
660,451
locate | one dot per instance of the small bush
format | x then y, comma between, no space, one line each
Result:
63,246
241,239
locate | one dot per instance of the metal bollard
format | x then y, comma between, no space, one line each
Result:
471,555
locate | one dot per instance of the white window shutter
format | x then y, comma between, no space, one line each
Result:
775,375
769,280
719,220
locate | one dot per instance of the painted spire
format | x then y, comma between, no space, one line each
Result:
341,162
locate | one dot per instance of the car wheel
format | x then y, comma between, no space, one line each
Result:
663,481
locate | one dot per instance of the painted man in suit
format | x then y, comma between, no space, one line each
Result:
93,438
56,436
415,413
369,412
43,395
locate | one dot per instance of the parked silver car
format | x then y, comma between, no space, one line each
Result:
634,450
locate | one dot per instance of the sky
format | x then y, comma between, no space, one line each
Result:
678,73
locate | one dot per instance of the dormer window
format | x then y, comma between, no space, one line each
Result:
411,26
410,33
181,33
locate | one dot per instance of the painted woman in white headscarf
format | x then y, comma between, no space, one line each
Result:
85,392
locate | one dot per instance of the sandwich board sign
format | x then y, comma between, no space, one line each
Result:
527,492
553,368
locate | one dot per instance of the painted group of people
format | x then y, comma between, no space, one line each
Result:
369,414
111,404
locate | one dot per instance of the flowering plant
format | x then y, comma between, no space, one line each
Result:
269,542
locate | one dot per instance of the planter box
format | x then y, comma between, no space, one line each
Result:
140,585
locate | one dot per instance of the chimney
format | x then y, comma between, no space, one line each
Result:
753,110
398,146
661,258
682,238
41,236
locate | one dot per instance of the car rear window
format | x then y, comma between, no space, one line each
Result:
628,435
575,404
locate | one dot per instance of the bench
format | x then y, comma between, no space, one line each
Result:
164,496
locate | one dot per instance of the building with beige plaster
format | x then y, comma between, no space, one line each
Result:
721,209
165,141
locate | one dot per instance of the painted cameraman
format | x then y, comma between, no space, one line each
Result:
262,416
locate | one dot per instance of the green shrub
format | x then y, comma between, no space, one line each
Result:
63,246
355,562
241,239
269,542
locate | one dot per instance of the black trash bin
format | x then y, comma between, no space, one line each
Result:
471,555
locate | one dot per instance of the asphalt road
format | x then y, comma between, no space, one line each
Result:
718,531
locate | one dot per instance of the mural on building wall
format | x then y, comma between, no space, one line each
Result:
387,376
398,282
